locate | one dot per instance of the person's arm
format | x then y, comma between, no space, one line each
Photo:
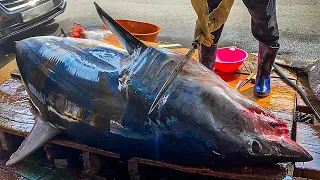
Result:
220,15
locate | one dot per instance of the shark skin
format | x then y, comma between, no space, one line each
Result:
100,95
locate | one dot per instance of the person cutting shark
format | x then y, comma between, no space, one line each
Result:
212,14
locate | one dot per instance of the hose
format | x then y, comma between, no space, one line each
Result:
294,86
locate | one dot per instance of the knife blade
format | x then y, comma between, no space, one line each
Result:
195,44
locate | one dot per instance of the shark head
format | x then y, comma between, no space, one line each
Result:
236,128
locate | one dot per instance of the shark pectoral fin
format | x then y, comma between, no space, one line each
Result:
39,135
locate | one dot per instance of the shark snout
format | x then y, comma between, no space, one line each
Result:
278,149
293,152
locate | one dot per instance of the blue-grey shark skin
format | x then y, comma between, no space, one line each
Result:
100,95
311,67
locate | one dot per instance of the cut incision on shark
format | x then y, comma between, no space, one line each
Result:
100,95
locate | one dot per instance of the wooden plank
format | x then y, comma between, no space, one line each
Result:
6,70
63,141
67,142
308,136
16,111
236,172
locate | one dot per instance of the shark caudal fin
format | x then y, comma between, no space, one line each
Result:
39,135
127,40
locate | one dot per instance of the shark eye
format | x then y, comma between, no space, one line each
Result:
256,147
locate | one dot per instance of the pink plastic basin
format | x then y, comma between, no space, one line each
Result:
229,59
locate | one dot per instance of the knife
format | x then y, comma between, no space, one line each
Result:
195,44
243,82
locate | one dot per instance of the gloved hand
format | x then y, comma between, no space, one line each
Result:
202,23
207,23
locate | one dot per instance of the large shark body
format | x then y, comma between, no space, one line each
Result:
100,95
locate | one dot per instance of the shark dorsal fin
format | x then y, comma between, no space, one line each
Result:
127,40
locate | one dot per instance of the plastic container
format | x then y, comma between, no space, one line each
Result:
143,30
229,59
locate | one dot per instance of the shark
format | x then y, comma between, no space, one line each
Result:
100,95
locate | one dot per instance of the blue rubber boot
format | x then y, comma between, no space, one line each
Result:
208,56
266,56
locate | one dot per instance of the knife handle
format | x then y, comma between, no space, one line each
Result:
196,43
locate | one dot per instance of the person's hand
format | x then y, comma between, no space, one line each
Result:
202,23
207,23
200,29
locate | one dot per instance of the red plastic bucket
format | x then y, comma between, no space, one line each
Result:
229,59
143,30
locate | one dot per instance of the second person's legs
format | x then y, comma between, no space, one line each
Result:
265,29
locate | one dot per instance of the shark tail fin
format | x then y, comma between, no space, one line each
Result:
39,135
130,42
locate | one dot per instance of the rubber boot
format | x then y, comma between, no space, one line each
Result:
266,57
208,56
